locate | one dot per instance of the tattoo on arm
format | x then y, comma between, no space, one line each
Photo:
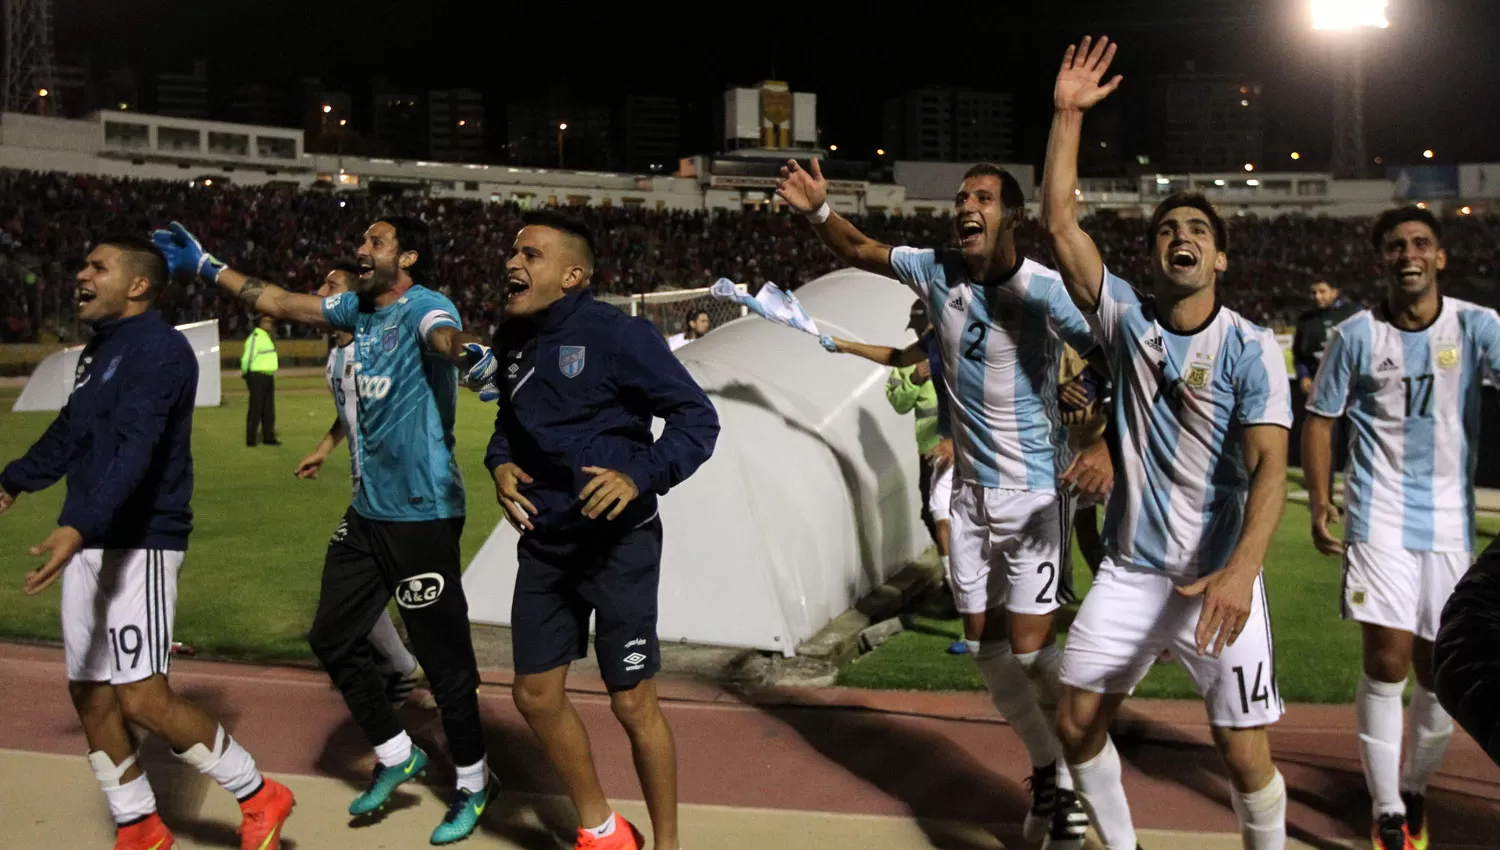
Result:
251,291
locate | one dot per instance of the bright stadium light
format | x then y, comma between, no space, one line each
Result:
833,147
563,126
1349,14
343,121
1428,154
1465,210
880,151
1249,166
327,109
42,92
1296,155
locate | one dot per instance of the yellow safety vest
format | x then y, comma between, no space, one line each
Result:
259,354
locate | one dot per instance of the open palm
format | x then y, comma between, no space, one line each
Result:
1083,66
805,192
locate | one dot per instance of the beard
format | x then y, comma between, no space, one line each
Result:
381,279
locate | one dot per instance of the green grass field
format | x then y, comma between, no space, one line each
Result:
251,578
250,583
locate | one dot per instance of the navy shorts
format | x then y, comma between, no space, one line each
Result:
561,581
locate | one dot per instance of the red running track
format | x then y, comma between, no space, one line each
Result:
930,755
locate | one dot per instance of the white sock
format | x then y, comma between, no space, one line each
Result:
128,802
605,829
1377,714
1014,697
1102,794
1431,730
1042,669
471,778
395,751
227,764
388,644
1263,815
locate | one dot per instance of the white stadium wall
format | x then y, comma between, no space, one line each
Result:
811,497
51,382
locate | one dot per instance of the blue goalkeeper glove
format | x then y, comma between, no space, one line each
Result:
480,365
489,393
182,251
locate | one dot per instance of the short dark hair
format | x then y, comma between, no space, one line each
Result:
1197,202
1391,219
1011,196
345,266
412,235
141,258
558,220
693,315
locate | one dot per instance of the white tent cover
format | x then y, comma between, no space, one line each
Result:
811,497
51,382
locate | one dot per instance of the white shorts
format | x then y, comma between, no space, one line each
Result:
1131,614
940,495
1005,547
117,610
1400,588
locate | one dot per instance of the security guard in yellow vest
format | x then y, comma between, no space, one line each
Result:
258,365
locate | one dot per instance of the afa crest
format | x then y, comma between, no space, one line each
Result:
570,360
388,338
1197,377
1447,356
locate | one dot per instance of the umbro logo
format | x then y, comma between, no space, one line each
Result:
1156,344
1387,365
957,303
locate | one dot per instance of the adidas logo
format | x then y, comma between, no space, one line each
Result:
1156,344
957,303
1387,365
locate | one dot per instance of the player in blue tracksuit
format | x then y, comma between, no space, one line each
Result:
578,474
401,535
124,441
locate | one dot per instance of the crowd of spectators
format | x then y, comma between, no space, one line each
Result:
48,221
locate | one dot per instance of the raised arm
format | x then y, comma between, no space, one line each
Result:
1077,89
808,194
183,252
882,355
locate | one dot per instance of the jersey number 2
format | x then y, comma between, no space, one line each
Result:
975,351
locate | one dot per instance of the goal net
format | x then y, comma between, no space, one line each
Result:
668,311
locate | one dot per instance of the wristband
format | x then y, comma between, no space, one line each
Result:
820,215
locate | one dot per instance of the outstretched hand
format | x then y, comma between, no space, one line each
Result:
1078,85
803,191
183,252
62,544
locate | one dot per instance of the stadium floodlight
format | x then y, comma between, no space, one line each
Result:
1296,155
1349,14
1428,154
327,109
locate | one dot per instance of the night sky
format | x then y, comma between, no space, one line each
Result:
1432,76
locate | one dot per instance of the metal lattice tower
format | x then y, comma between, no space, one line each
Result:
28,56
1349,110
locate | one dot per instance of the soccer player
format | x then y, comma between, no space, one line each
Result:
399,667
911,388
123,439
1201,415
401,535
1001,321
695,326
578,474
1407,373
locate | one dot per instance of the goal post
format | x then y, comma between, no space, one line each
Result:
670,309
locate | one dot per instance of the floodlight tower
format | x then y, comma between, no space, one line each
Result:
27,77
1351,21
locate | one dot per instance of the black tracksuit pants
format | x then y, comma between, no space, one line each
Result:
367,562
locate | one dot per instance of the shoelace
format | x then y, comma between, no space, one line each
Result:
460,800
1043,789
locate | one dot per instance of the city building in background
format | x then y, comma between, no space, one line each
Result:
455,125
183,94
948,124
1207,121
652,133
770,116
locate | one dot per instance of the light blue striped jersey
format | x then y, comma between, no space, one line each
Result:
1181,406
339,373
1412,398
1000,345
403,440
